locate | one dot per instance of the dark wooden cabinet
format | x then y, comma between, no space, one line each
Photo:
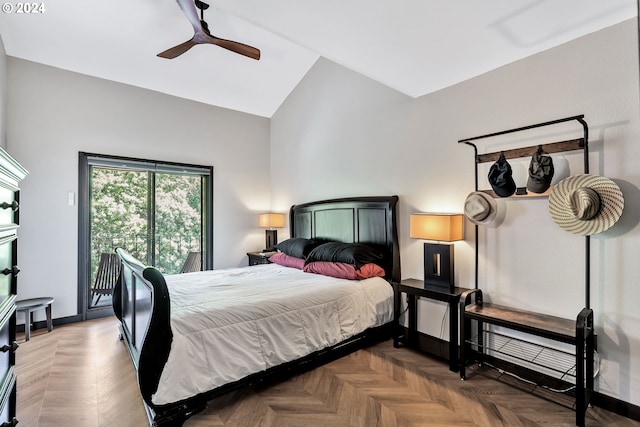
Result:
257,258
11,173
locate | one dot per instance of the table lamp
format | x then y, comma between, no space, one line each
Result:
438,257
271,221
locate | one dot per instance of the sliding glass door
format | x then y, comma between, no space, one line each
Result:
160,212
178,220
119,207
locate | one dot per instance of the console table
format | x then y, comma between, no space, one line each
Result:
415,289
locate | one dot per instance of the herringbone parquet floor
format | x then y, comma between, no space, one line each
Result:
80,375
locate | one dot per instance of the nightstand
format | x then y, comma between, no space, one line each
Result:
256,258
415,289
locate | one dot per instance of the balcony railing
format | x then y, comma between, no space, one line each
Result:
170,250
171,253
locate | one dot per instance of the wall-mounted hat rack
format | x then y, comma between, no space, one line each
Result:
553,147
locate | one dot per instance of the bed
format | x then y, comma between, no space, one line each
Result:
196,336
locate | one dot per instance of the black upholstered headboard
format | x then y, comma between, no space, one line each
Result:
370,220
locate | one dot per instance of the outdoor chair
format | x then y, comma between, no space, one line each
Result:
106,277
192,263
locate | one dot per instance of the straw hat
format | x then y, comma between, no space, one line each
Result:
483,209
586,204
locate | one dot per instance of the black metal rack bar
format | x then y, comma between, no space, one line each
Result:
537,125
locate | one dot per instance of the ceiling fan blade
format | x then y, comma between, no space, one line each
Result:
202,34
177,50
237,47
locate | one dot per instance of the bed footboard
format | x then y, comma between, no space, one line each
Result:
141,302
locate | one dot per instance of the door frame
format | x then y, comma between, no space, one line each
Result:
84,221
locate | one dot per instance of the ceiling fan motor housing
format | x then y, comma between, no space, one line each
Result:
201,5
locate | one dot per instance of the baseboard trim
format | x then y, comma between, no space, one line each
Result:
94,313
433,346
617,406
56,322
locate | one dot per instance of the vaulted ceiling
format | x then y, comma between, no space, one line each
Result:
413,46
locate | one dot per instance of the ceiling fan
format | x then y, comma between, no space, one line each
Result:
203,36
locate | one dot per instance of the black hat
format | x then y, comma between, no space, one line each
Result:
540,172
500,177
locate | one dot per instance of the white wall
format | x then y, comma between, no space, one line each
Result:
341,134
54,114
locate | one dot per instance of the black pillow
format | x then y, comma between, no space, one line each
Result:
298,247
357,254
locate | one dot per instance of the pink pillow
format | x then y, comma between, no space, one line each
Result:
340,270
370,270
287,260
343,270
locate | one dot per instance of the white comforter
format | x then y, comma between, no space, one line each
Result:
230,323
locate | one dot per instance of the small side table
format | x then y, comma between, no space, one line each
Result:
28,306
257,258
415,289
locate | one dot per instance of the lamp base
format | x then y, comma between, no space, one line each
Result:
271,240
438,266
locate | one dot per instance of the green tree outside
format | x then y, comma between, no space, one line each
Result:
119,207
